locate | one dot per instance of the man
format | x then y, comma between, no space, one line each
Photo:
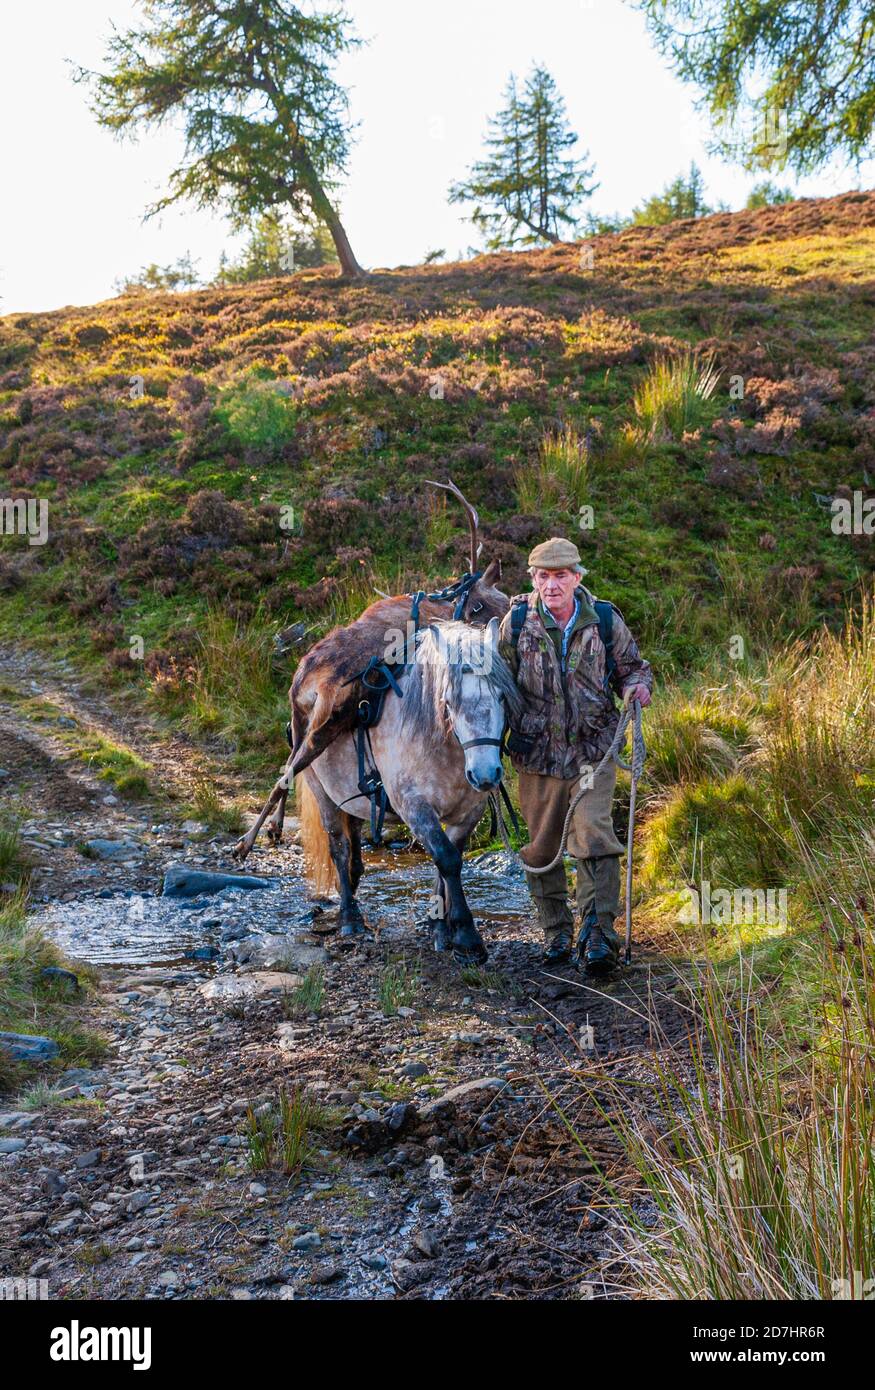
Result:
569,653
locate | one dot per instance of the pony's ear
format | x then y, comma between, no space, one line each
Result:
492,633
491,574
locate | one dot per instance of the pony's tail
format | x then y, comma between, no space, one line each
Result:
314,840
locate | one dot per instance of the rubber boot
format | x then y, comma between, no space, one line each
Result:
549,894
598,900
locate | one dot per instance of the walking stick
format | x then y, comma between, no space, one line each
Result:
635,768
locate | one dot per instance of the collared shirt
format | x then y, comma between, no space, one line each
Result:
567,630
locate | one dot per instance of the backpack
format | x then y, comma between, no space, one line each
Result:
605,614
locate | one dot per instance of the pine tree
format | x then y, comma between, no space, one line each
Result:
768,194
787,84
266,126
277,247
685,197
526,188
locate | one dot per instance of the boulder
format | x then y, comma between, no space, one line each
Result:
112,849
182,882
230,989
263,952
463,1092
26,1048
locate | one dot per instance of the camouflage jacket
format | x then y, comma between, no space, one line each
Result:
570,715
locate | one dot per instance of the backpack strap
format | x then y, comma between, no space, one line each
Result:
605,612
518,615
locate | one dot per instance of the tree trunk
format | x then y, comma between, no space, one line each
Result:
322,205
348,263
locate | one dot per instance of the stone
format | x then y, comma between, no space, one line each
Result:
182,882
327,1274
17,1119
407,1274
311,1240
231,989
24,1047
89,1159
263,952
65,978
413,1070
398,1115
112,849
12,1146
425,1243
468,1088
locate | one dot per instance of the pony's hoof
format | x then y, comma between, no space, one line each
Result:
351,931
469,950
274,837
240,851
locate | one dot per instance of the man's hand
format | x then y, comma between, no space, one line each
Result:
636,692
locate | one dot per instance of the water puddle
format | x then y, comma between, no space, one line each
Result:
137,929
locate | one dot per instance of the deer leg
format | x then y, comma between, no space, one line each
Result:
277,820
279,793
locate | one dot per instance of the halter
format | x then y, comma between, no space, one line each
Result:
502,789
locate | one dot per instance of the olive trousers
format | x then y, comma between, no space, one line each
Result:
544,803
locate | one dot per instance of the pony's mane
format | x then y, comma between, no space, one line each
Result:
434,678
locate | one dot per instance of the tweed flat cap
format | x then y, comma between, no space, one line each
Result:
555,554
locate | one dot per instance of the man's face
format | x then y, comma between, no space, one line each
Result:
556,587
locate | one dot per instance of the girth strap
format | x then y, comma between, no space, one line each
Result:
370,784
378,678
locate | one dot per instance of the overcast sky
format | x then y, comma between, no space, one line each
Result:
421,90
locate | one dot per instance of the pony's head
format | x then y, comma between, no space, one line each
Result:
462,688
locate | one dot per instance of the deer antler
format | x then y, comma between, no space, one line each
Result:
473,519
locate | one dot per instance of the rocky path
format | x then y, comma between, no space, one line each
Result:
428,1157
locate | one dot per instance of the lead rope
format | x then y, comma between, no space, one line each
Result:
631,714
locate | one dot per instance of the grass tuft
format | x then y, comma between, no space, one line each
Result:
398,986
674,397
284,1134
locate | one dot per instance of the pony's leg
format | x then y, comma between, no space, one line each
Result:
356,863
465,940
438,912
278,794
338,828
